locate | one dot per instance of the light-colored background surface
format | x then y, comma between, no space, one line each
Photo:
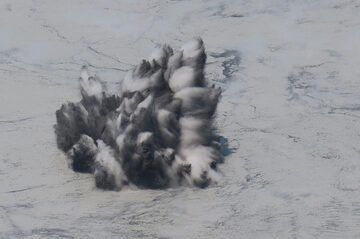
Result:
290,110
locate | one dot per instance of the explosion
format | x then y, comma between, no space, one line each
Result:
155,132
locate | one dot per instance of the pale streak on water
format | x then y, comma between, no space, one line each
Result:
290,112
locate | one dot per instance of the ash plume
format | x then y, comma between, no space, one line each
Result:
155,132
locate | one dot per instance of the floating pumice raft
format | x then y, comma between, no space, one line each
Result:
156,132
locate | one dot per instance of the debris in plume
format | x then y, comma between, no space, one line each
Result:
155,132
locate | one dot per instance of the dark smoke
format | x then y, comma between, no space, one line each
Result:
155,132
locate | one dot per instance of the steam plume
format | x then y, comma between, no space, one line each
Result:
155,132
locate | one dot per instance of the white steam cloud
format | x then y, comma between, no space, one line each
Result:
156,132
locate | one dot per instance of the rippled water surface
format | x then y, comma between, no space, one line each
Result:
290,112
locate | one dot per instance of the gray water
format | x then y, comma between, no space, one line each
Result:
290,111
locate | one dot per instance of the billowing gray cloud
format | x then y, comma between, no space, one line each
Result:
155,132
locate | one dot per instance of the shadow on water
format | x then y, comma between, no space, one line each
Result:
231,60
225,150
